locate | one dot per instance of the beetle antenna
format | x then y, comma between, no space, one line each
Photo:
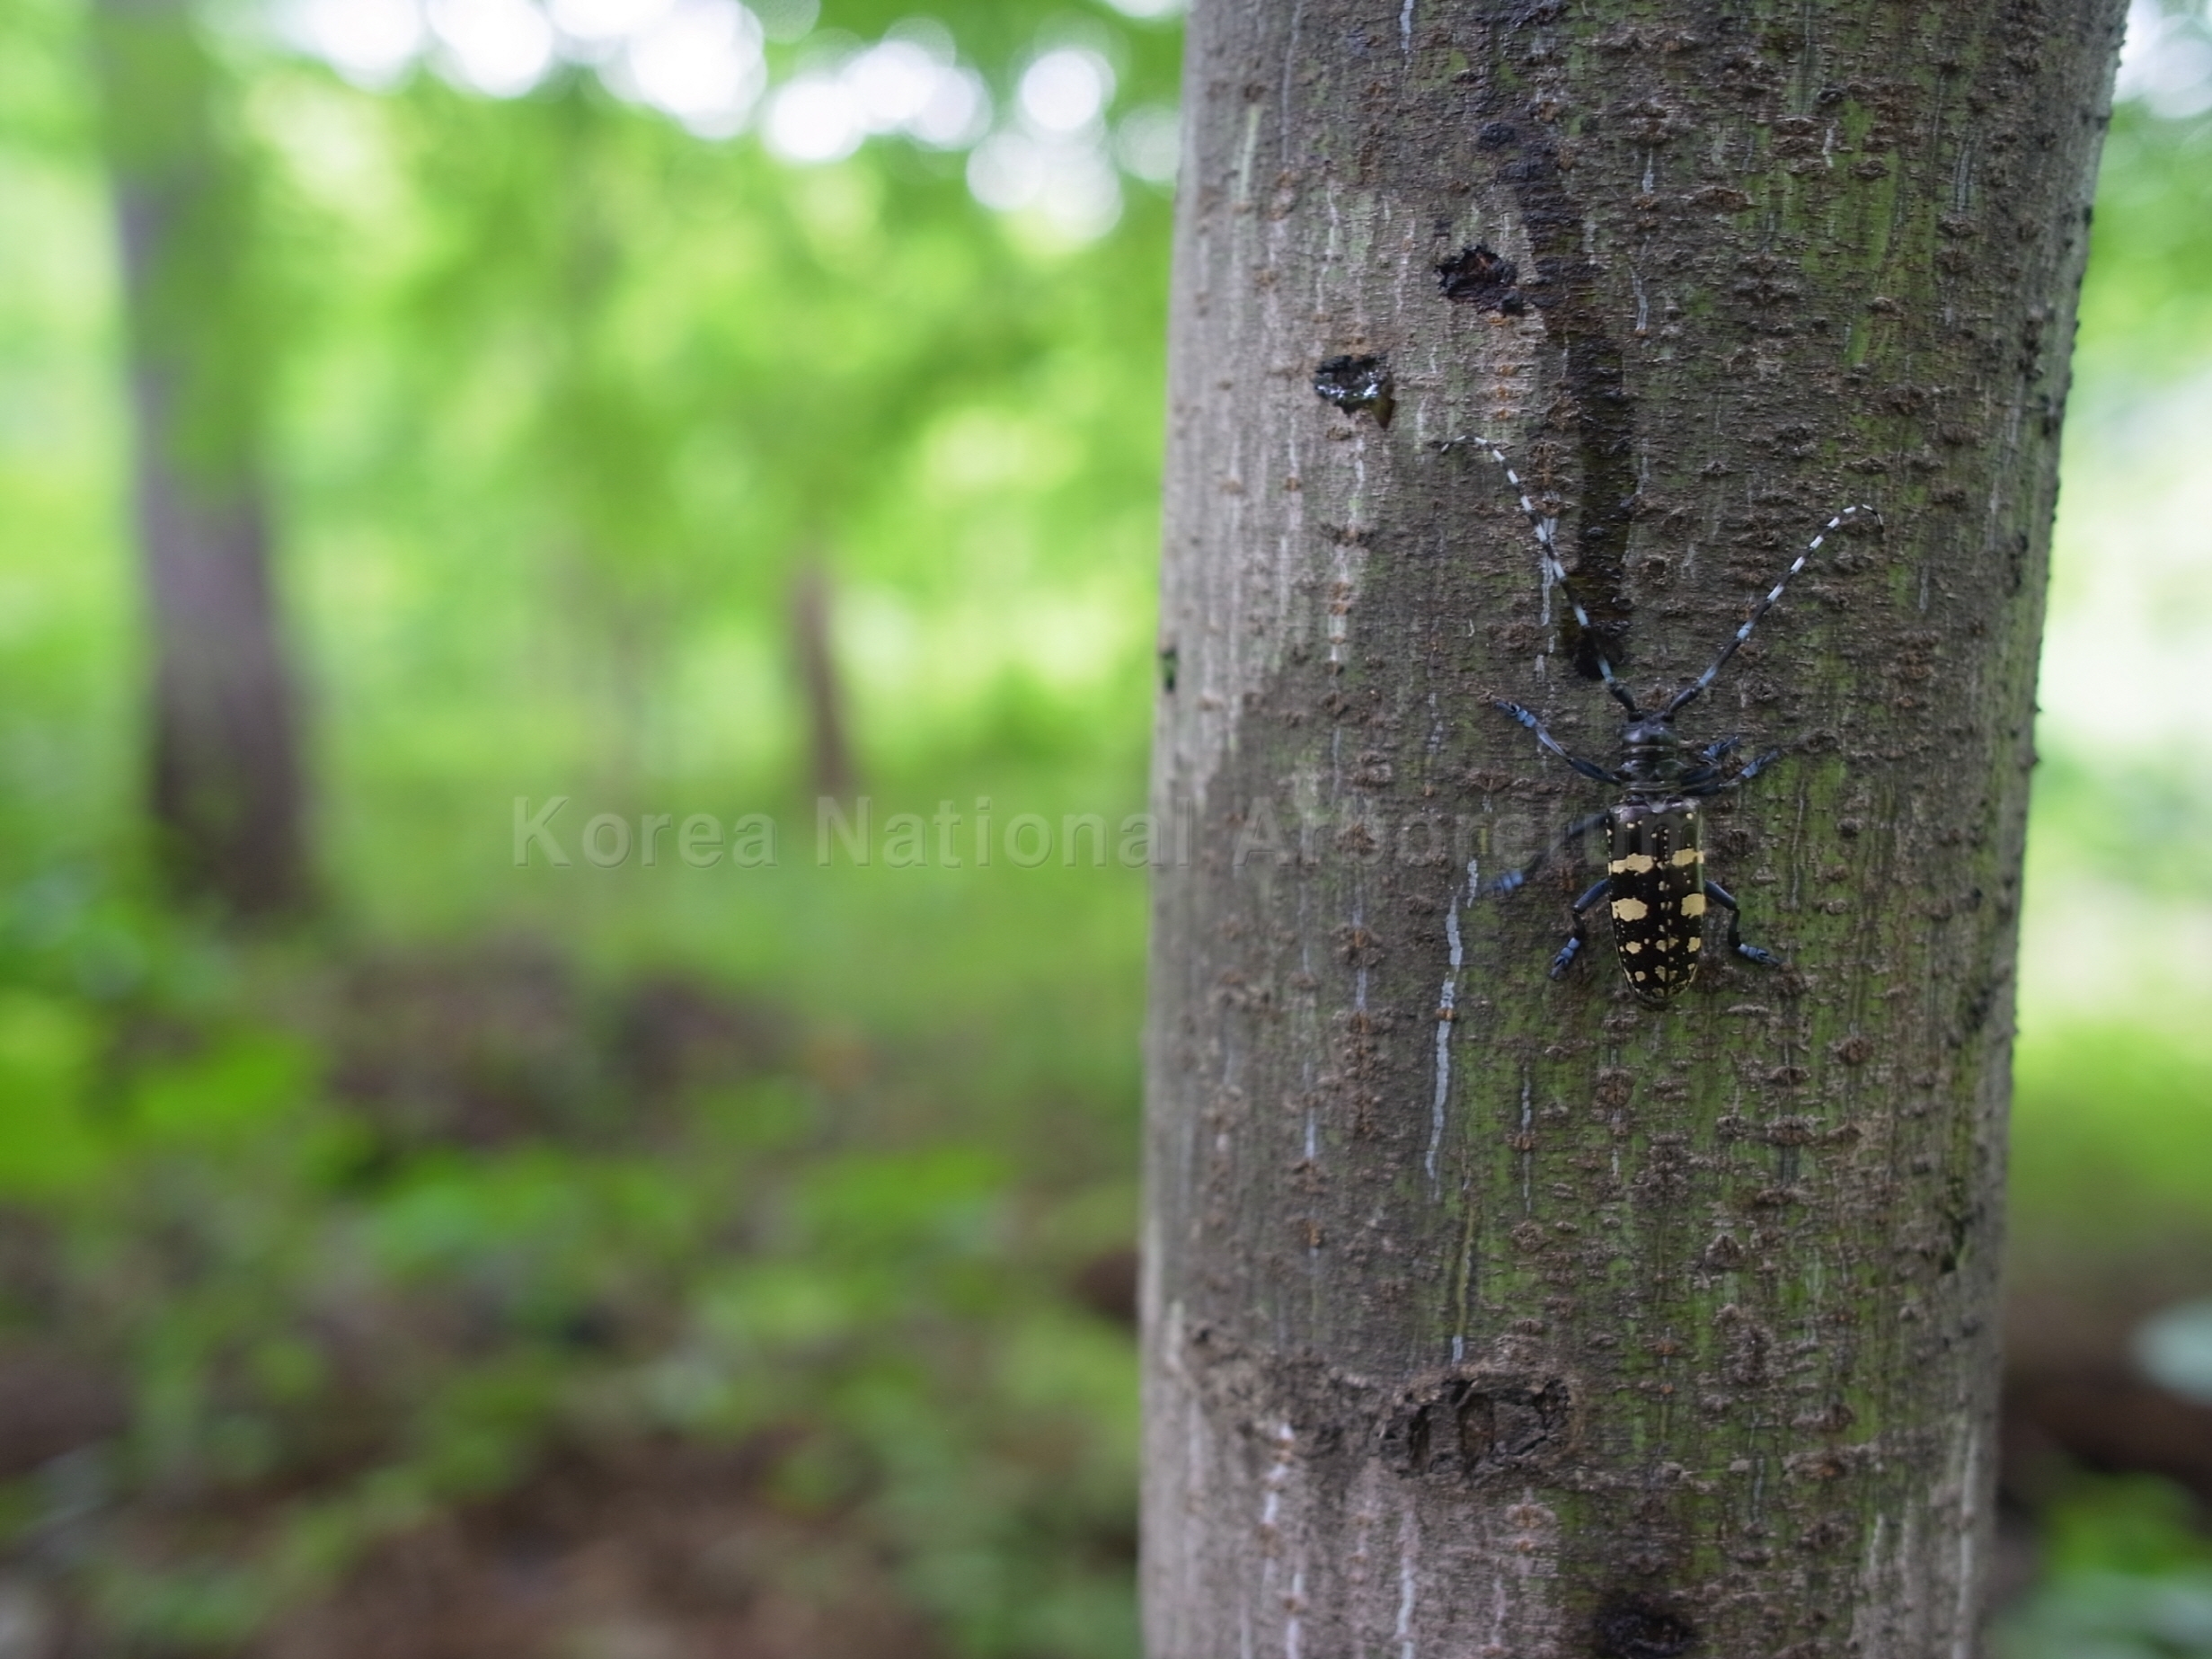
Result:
1696,688
1554,572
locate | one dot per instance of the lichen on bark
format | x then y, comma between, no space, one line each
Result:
1490,1315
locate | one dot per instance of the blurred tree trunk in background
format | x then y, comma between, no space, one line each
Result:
225,785
831,770
1492,1316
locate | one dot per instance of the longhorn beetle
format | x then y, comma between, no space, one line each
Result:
1655,882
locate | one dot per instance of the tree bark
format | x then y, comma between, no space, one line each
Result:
1491,1315
224,777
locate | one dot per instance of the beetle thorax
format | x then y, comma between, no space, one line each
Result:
1650,755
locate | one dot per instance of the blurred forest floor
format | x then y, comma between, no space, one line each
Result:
668,1263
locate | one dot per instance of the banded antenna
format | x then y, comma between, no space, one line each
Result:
1555,572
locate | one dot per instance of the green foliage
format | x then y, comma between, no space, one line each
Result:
2112,1127
2129,1576
328,1346
47,1149
2149,309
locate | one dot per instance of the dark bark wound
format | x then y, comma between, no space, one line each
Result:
1635,1628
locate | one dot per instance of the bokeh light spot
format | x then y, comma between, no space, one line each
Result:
814,117
608,20
371,42
1067,89
500,48
700,64
2166,61
1150,143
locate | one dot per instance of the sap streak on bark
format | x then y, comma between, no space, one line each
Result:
1674,1333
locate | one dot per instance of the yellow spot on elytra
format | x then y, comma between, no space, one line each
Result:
1635,864
1634,947
1663,944
1688,856
1696,944
1641,978
1693,904
1630,910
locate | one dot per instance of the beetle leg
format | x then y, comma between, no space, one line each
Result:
1757,765
1726,900
1581,934
1551,745
1702,786
1708,766
1514,879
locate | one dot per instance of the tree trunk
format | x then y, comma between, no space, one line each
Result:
225,785
831,770
1493,1315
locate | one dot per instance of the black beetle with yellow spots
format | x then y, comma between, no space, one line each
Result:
1655,887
